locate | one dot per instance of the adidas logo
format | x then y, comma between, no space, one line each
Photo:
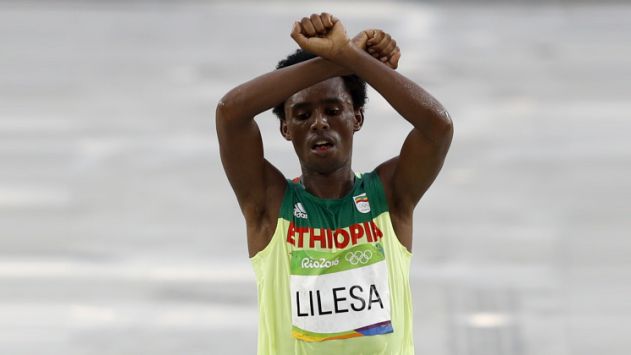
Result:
299,211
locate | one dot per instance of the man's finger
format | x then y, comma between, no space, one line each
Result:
317,24
376,52
394,59
327,20
296,34
376,37
295,29
372,34
307,27
389,48
383,43
360,39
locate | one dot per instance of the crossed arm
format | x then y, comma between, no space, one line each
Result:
258,185
253,179
407,176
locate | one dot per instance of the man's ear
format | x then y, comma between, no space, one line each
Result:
283,129
359,119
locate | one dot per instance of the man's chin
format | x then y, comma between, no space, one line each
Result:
324,165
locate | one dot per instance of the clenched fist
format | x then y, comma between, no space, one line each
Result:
380,45
323,35
383,47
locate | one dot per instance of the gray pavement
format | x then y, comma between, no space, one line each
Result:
120,234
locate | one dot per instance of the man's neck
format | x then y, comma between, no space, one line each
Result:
336,184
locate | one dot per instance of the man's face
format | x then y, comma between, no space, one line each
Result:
320,121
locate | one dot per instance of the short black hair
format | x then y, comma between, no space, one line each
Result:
355,86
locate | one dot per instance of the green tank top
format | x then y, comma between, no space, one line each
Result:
334,279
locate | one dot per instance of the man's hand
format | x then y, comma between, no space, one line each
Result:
323,35
383,47
380,45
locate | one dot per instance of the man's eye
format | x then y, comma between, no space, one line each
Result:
302,115
333,111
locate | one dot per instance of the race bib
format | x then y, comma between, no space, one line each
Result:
340,295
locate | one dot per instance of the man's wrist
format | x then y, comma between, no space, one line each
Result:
334,68
349,55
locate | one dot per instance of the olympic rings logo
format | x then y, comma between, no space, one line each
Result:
358,257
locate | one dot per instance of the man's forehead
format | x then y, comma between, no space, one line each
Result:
330,90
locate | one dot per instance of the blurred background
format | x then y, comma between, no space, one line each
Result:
119,233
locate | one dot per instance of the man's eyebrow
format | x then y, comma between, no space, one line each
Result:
299,105
332,100
328,100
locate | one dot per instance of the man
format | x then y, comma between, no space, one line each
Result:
331,249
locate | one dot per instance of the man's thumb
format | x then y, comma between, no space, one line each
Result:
361,39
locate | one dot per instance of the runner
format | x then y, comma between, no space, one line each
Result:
331,249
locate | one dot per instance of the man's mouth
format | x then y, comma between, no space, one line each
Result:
322,146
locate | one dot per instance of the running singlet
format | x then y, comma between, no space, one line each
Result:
334,279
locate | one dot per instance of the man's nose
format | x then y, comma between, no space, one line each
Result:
320,121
